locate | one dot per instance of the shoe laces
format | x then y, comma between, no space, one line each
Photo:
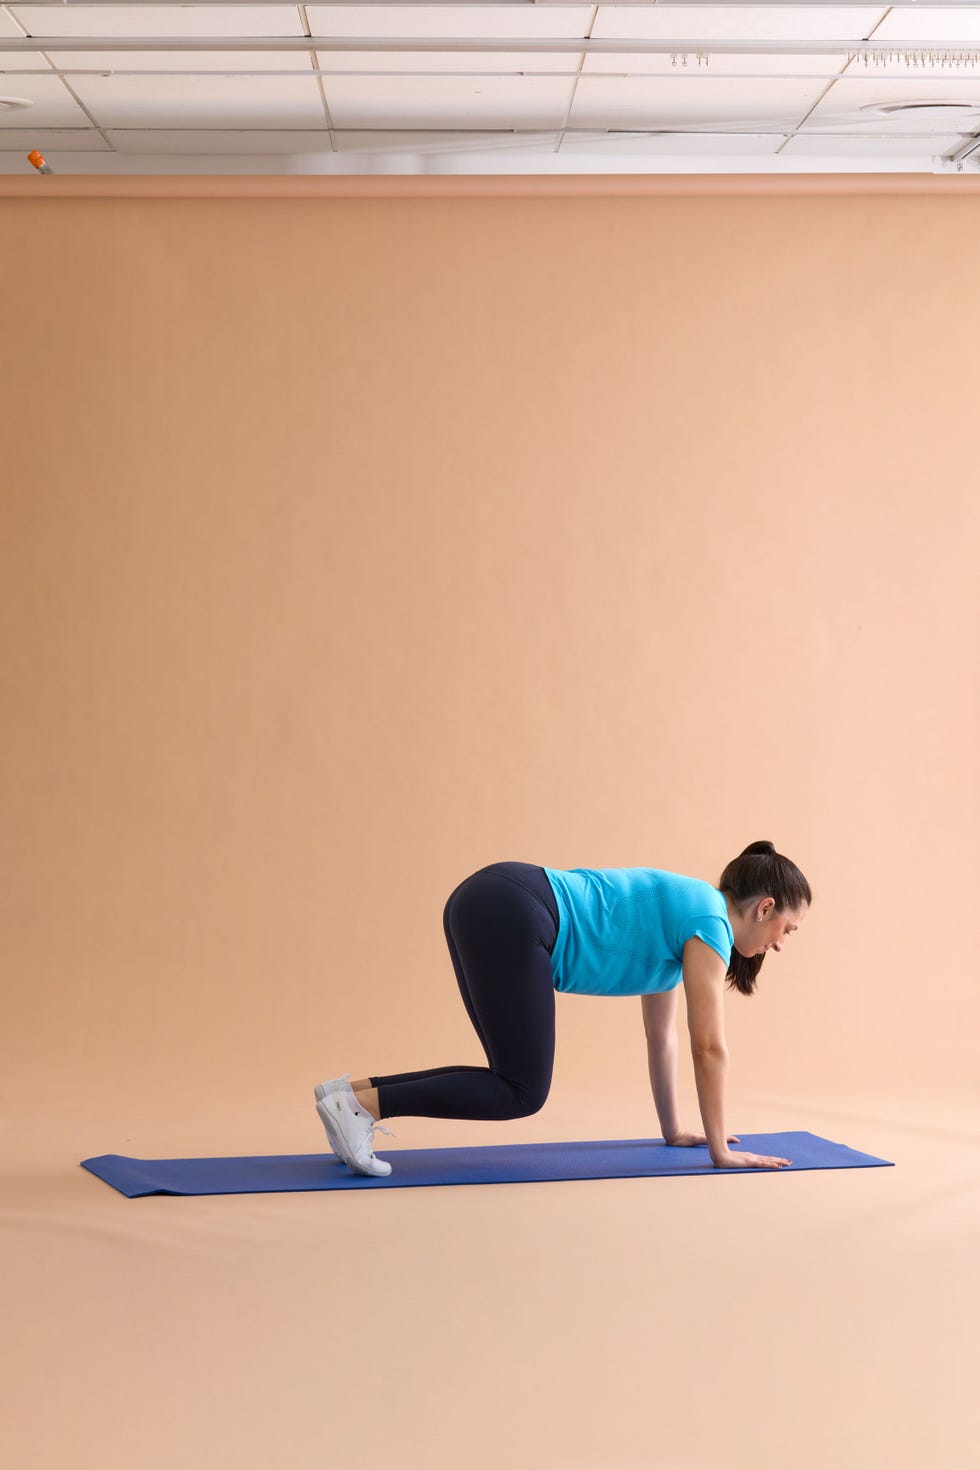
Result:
376,1128
381,1129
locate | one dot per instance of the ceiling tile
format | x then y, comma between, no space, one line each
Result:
159,20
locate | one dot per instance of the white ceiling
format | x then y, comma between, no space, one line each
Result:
520,86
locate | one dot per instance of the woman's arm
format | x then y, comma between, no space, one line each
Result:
660,1026
662,1062
704,988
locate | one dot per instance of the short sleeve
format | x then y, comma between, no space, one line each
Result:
713,931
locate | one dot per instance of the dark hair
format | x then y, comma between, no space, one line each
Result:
760,872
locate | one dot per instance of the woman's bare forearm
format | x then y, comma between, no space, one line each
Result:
710,1070
662,1062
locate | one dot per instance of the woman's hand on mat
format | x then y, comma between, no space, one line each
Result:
691,1140
749,1161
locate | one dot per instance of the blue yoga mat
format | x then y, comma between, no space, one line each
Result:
521,1163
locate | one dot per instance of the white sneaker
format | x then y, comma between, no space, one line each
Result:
350,1128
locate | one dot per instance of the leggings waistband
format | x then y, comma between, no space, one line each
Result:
534,880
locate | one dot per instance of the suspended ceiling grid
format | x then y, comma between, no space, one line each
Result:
511,87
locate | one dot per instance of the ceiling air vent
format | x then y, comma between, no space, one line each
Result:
927,112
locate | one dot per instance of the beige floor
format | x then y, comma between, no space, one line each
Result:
725,1322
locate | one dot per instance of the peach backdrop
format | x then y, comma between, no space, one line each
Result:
350,544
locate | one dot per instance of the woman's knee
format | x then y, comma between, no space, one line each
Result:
527,1098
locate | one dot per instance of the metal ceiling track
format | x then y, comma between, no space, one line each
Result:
490,44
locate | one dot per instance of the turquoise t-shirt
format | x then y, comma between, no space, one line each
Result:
622,931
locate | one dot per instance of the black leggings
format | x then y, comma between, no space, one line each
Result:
501,925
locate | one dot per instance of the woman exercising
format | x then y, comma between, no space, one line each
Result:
517,933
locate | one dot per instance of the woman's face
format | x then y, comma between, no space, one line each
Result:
772,929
